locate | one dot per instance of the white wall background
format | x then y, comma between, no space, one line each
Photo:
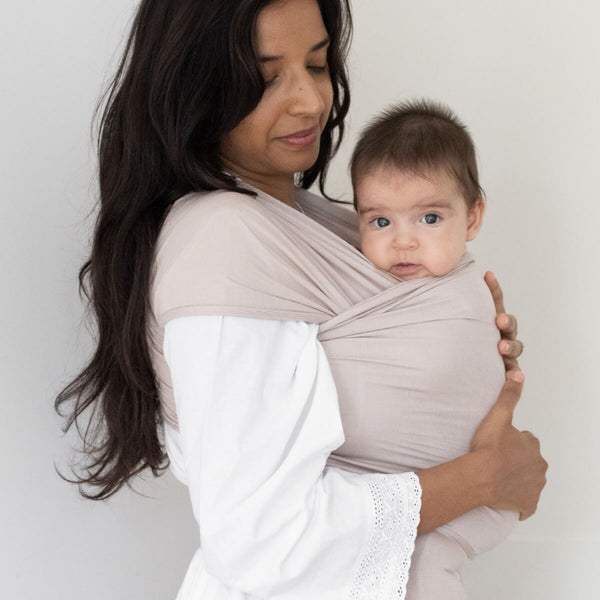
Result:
524,75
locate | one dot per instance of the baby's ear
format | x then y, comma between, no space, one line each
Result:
475,219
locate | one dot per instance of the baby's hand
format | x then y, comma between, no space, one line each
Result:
509,347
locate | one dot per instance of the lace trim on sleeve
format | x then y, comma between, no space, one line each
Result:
383,569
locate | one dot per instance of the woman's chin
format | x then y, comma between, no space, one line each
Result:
303,165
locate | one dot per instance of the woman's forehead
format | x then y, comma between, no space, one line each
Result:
289,24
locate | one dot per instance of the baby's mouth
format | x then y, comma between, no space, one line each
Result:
405,268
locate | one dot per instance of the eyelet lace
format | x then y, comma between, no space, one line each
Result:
383,569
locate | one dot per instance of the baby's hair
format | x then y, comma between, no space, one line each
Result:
418,136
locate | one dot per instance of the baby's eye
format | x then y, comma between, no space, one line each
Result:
430,219
380,222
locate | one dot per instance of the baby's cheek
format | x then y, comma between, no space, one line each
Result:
365,245
371,249
445,261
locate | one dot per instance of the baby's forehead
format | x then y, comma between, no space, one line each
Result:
437,174
391,185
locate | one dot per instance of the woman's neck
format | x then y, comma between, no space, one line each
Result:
285,191
281,187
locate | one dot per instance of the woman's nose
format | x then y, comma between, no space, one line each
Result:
306,97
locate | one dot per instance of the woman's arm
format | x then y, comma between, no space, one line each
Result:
258,416
253,456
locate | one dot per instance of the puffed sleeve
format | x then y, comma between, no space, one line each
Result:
258,417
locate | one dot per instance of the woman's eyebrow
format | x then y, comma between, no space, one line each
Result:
267,58
324,42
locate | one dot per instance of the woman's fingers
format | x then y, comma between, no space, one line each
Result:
534,440
507,324
500,415
537,475
511,348
510,394
496,291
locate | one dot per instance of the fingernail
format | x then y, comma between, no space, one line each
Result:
517,376
504,347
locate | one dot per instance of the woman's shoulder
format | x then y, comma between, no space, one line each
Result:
202,205
204,238
198,213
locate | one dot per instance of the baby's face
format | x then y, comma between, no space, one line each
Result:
414,226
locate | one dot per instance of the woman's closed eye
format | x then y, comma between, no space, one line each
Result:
380,222
431,219
318,68
315,69
270,80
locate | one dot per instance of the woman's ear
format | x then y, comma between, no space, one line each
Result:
475,219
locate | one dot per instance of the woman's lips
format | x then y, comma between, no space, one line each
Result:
302,138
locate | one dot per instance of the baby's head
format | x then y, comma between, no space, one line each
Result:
416,190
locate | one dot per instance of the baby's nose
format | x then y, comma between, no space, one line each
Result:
405,240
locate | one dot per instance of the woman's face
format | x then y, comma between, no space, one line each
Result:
281,136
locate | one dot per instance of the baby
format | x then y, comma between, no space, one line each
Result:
416,190
418,200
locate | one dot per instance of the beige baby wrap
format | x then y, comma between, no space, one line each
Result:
415,362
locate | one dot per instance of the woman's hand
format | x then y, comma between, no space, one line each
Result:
511,457
504,468
509,347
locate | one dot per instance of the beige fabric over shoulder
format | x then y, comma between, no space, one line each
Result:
415,362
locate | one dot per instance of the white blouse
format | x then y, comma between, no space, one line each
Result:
258,416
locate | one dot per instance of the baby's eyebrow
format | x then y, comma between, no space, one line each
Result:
434,204
425,205
367,209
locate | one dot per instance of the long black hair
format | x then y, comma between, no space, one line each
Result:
188,76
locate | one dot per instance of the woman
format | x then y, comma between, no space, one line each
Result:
238,97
